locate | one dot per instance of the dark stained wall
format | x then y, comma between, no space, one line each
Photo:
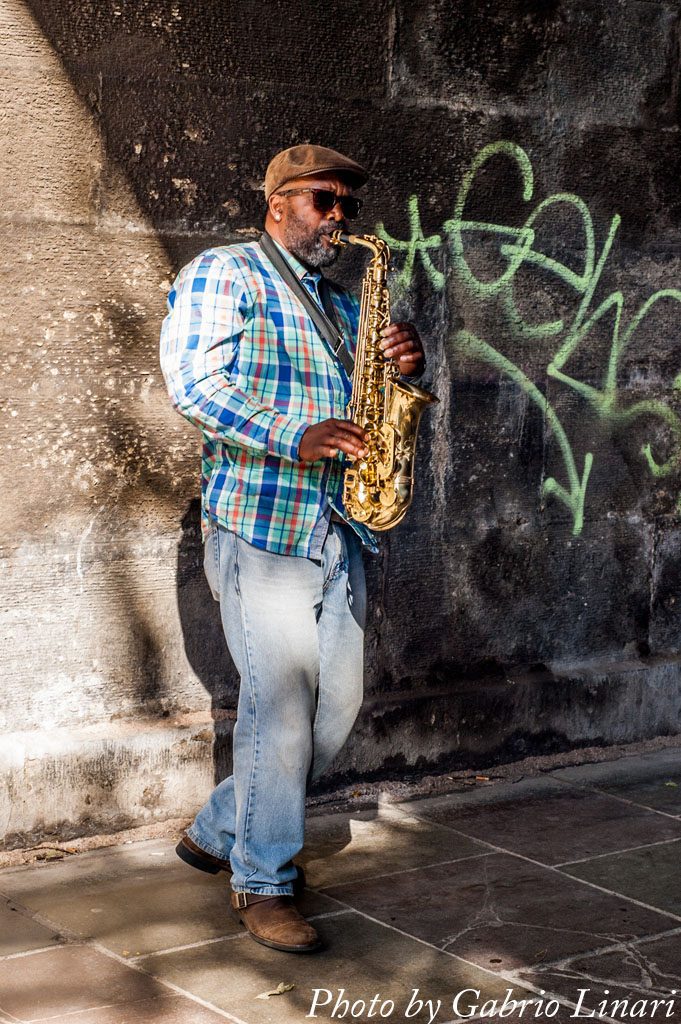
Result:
525,167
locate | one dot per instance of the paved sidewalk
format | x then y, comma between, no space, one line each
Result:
564,887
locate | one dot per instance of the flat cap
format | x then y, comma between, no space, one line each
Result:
299,161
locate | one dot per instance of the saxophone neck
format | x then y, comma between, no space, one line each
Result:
378,247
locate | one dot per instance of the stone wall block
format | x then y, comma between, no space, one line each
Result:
341,46
50,158
665,594
581,594
577,61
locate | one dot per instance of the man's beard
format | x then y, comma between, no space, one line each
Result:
310,247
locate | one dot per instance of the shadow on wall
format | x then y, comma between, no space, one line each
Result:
204,640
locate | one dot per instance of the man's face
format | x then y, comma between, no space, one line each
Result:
304,230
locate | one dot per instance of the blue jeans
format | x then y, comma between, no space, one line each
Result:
295,630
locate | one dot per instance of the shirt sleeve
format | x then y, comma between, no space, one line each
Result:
208,306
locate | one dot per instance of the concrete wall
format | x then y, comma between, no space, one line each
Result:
525,160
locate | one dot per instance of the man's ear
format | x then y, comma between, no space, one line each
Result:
275,206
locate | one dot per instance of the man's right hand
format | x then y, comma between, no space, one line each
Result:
324,440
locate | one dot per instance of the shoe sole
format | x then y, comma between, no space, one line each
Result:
195,861
203,864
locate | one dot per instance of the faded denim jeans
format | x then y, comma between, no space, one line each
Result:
295,630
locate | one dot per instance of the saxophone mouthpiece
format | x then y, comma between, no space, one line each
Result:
339,238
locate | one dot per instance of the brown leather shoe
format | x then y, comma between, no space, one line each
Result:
274,921
191,854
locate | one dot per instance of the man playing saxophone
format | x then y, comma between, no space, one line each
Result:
244,363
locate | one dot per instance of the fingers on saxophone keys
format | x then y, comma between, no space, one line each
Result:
347,436
350,430
392,349
395,335
394,329
349,444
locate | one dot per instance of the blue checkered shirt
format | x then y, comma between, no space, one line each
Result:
244,363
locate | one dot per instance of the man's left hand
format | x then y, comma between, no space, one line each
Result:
401,342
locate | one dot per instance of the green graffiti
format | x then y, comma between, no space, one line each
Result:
516,246
417,245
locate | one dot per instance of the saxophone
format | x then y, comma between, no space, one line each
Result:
377,489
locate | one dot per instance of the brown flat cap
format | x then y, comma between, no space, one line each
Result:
299,161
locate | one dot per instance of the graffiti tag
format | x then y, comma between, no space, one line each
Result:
516,245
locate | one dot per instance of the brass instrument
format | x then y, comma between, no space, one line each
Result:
377,489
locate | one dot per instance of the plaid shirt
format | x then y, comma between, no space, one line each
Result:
244,363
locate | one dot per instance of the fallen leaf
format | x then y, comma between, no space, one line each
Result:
282,987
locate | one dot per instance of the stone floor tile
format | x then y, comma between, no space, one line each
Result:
652,875
171,1010
68,979
345,847
361,957
663,794
483,794
132,900
648,781
564,827
19,933
655,764
639,970
501,912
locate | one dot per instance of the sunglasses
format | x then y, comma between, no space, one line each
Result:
324,200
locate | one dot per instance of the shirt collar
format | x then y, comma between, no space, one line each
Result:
298,268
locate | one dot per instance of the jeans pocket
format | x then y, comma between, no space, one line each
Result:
211,560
